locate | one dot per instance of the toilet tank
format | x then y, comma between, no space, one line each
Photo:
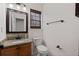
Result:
37,41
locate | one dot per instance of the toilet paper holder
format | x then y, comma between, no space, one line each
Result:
59,47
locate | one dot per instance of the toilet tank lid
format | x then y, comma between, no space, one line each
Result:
42,48
36,38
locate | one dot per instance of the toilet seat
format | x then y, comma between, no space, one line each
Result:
42,48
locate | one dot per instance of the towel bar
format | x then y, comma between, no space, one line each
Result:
55,22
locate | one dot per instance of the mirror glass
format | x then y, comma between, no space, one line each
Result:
17,21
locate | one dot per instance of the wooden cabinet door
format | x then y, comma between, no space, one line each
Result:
10,51
0,51
25,50
29,50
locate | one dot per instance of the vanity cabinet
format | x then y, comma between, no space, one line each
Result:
0,51
18,50
10,51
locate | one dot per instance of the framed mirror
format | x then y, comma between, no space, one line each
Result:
16,21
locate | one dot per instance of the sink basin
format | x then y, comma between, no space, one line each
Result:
18,41
14,42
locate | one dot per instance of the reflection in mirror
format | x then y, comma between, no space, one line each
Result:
16,21
18,26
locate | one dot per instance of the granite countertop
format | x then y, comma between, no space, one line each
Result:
8,43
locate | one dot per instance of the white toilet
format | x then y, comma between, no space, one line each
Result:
42,49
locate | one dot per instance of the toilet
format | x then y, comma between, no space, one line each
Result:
41,48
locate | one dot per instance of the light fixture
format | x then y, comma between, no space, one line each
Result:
18,5
24,8
10,5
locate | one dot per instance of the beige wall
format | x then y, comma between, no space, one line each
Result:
64,34
2,22
31,32
35,32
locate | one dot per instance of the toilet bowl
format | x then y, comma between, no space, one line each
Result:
42,49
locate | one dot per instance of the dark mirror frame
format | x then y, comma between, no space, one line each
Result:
7,21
